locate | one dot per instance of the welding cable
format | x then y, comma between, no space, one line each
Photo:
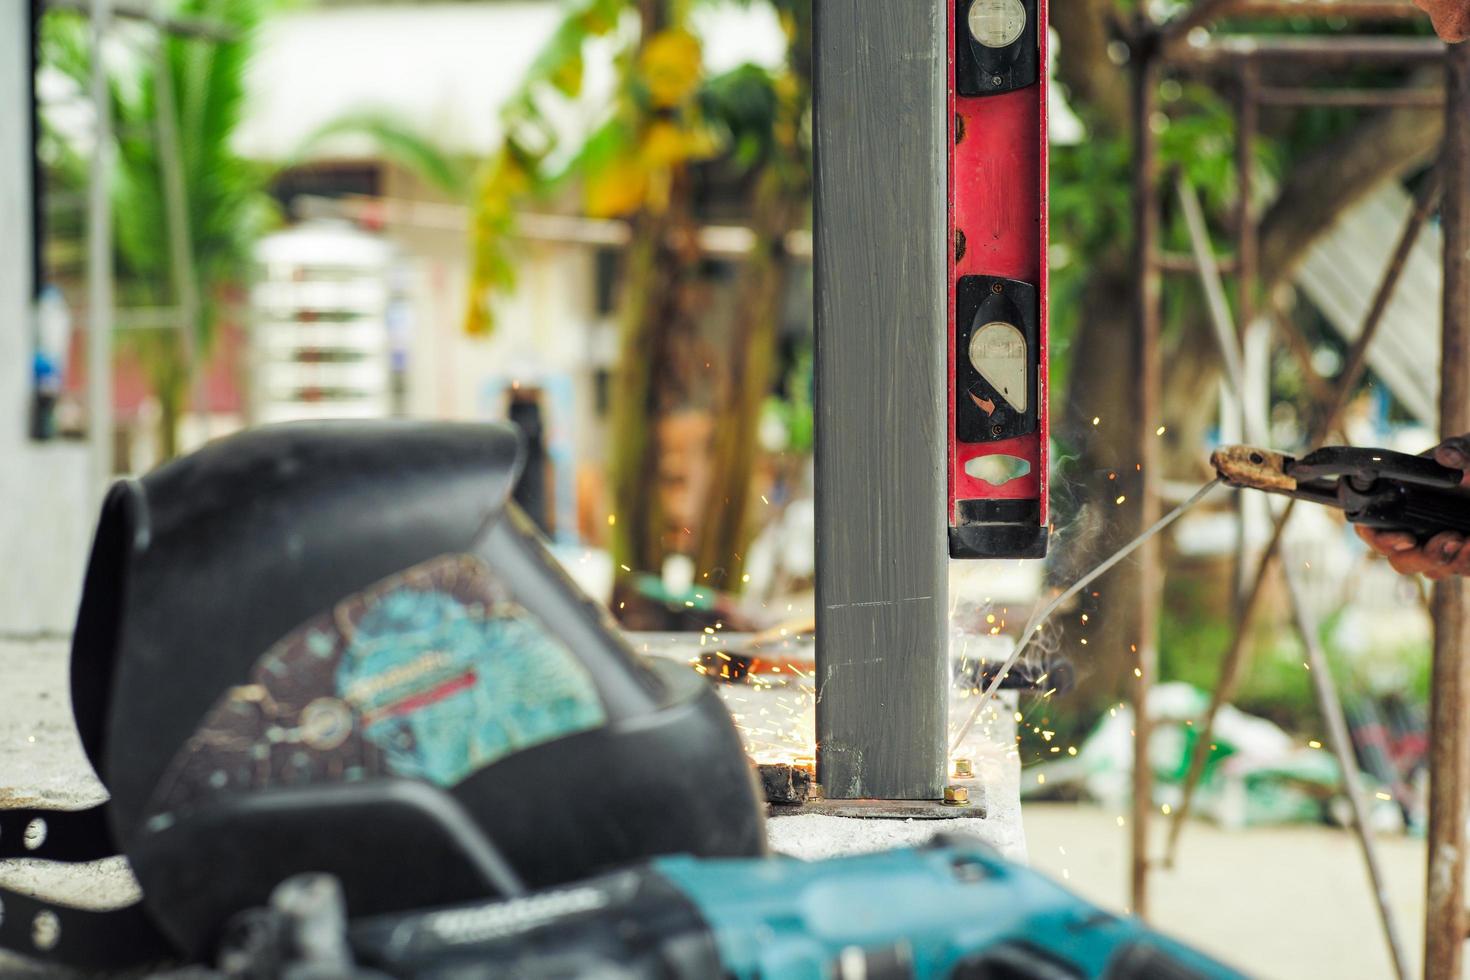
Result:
1038,620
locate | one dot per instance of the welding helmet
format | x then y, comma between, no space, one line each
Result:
340,647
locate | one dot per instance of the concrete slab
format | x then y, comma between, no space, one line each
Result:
42,765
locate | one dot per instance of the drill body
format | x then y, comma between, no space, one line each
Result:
950,910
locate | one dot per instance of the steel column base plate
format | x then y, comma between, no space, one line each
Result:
888,809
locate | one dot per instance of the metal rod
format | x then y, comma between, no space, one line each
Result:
1330,705
1363,98
1253,429
1148,369
1301,351
1449,728
183,26
1251,595
1177,262
1357,361
1043,614
1230,666
1347,51
99,262
1176,33
1200,15
1346,9
1248,592
731,241
1247,121
1210,281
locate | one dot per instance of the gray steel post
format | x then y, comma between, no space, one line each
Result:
882,134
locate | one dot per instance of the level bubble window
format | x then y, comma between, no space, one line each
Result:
998,352
997,23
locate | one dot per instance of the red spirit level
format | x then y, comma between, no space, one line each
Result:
997,299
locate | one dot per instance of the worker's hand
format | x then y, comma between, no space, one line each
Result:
1455,453
1444,554
1451,18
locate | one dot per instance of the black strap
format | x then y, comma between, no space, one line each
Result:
67,835
83,938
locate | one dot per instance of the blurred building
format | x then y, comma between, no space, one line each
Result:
320,343
444,70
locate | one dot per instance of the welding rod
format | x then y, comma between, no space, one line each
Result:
1039,619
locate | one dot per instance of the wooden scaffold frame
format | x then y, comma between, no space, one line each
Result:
1186,45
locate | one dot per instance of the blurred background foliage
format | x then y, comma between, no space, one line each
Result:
666,119
187,210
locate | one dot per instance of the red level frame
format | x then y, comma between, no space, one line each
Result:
998,231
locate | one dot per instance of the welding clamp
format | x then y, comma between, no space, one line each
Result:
1376,488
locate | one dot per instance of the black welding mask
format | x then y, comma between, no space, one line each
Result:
340,647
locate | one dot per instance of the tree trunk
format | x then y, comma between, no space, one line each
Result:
720,556
778,202
647,383
654,324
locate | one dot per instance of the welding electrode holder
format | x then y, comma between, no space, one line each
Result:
1375,488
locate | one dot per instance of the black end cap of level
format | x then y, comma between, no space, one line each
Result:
998,541
998,529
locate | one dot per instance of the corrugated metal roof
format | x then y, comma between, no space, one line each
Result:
1344,270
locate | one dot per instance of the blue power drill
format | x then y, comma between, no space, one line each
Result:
952,909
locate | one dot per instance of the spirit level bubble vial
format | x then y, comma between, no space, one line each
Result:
997,279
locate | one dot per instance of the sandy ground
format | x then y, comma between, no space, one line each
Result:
1284,903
